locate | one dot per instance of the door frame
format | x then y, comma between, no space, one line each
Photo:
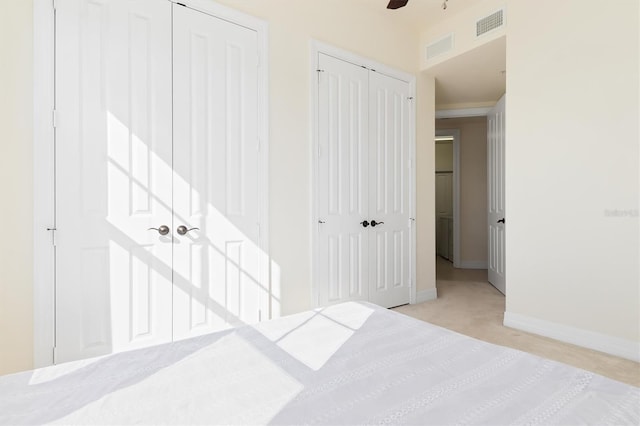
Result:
44,160
455,134
316,47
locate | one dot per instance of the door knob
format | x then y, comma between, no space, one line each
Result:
364,223
162,230
182,230
374,223
501,220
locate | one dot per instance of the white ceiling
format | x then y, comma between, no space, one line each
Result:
474,77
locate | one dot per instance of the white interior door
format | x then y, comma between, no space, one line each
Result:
389,190
364,198
496,216
113,176
343,181
218,267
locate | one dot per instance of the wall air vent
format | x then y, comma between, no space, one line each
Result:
440,46
490,23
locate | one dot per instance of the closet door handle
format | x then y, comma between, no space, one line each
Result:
374,223
182,230
364,223
501,220
162,229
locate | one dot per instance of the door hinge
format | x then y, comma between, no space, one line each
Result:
54,4
54,354
53,235
54,116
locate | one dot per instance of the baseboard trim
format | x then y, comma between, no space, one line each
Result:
426,295
623,348
478,264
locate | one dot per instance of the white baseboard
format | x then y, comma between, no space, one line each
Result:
588,339
426,295
472,264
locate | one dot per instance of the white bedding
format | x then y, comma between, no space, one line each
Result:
353,363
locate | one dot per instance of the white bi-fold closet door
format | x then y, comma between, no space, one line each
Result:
364,185
157,201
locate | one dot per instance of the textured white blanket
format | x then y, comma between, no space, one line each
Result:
353,363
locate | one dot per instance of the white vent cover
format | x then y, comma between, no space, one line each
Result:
440,46
490,23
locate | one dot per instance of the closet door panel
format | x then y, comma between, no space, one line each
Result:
217,263
343,181
113,176
389,190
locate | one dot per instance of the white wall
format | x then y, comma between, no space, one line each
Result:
572,164
16,207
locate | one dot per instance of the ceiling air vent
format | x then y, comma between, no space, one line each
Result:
490,23
440,46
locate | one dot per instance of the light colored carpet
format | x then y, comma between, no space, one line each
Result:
468,304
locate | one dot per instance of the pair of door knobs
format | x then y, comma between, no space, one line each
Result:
164,229
373,223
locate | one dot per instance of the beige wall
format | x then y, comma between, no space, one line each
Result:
463,27
425,187
16,209
374,34
473,187
572,158
292,24
444,157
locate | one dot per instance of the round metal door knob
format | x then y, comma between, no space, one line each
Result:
162,229
182,230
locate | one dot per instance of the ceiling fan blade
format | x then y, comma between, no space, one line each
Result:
396,4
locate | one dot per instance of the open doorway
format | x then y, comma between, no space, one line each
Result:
461,194
467,87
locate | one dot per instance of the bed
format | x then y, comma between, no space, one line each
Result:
353,363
